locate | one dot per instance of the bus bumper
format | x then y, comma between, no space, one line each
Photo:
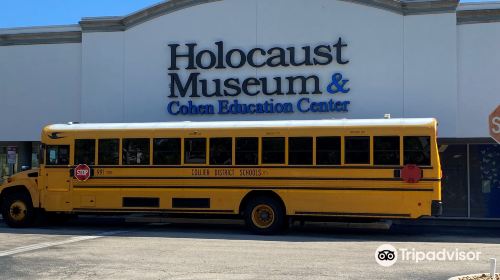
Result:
436,208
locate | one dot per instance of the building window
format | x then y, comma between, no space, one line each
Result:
85,151
417,150
135,151
386,150
247,151
357,150
6,168
454,180
195,150
300,150
221,151
35,154
167,151
57,155
273,150
328,150
485,180
109,151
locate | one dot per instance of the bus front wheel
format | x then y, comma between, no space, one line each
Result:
265,215
17,210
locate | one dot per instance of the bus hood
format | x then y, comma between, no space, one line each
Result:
32,173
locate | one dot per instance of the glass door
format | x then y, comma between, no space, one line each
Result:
6,168
454,182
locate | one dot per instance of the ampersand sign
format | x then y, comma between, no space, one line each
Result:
338,84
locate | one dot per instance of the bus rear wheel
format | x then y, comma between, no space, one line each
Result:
17,210
265,215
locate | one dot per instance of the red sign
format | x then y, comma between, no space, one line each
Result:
411,173
494,124
82,172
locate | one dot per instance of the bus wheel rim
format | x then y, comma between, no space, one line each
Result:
18,210
263,216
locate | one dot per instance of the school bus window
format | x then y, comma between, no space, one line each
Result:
109,151
167,151
57,155
85,151
328,150
195,150
357,150
135,151
386,150
273,150
221,151
247,151
300,150
417,150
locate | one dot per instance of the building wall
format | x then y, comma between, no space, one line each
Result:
478,76
430,70
103,77
375,90
39,84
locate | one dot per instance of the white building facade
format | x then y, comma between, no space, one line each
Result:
202,60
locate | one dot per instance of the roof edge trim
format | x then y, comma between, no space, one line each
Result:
111,24
478,16
411,7
36,38
484,14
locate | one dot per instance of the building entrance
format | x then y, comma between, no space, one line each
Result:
8,161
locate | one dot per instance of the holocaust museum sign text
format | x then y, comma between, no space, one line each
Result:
190,90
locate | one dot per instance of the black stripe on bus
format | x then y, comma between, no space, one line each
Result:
352,214
153,210
256,188
244,166
263,178
141,202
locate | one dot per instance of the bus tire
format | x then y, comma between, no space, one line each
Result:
265,215
17,210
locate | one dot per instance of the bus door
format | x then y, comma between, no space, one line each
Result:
57,176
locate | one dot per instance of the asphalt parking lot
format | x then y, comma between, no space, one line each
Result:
109,248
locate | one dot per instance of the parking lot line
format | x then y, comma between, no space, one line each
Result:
43,245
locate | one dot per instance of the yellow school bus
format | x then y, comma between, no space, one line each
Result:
267,172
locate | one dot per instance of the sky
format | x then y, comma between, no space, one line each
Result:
23,13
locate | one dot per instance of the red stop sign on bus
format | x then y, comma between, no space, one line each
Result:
411,173
82,172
